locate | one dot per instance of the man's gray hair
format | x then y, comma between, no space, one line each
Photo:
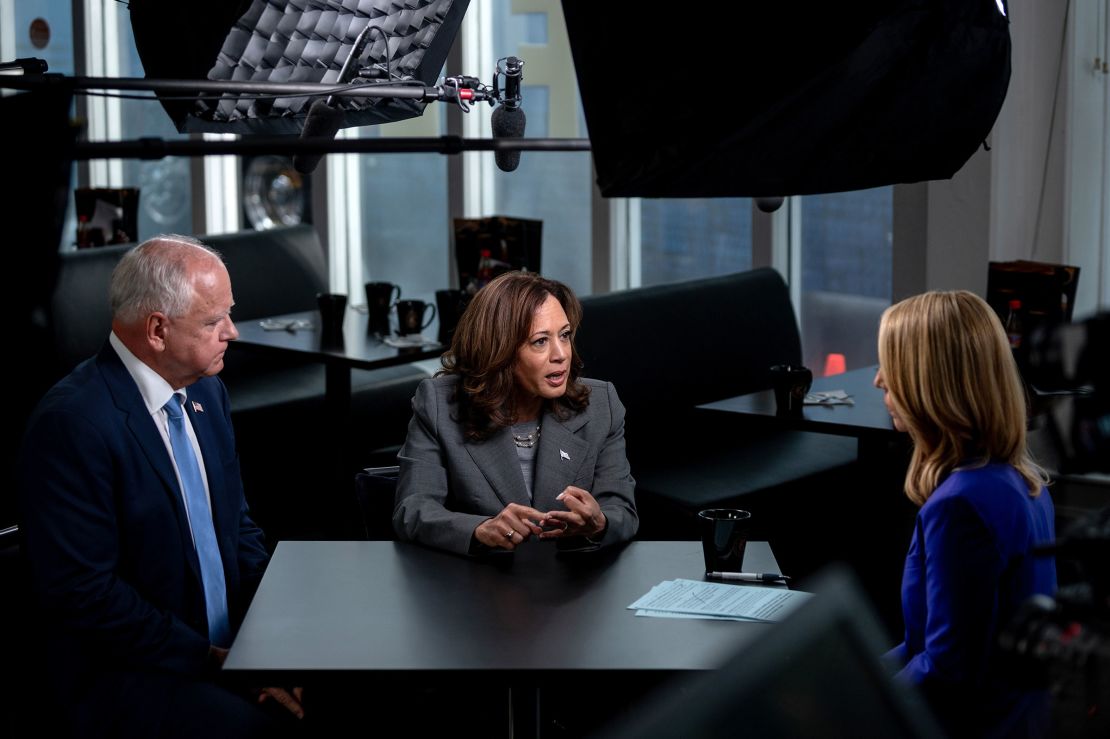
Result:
154,276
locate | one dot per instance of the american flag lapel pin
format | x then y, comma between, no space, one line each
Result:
564,455
197,407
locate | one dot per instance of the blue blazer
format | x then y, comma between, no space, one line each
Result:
969,568
449,484
108,542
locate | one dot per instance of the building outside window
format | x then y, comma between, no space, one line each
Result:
845,252
684,239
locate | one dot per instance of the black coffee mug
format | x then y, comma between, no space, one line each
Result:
410,316
791,383
333,309
724,538
379,298
450,305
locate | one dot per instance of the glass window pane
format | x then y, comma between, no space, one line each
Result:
554,188
405,235
551,187
683,239
49,21
846,275
45,30
165,185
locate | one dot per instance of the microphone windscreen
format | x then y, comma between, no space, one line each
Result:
507,123
322,121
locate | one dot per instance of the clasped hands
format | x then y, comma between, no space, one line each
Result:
517,523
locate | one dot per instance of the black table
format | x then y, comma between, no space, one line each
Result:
403,611
359,349
867,419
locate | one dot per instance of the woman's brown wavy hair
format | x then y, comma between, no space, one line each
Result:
494,326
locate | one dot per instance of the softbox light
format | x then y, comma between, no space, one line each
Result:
767,99
289,41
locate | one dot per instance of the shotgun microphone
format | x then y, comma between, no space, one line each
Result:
508,120
323,121
325,118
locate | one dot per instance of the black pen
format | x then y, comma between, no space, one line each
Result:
749,576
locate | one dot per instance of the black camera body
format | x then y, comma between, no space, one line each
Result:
1064,642
1067,368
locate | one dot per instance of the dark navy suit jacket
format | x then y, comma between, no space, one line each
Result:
108,542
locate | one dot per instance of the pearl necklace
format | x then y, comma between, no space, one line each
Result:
528,440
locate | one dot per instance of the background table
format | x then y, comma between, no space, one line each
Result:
867,419
359,349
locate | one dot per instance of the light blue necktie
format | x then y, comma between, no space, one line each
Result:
200,518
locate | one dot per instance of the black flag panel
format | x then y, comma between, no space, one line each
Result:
768,99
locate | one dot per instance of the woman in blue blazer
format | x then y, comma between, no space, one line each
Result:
950,381
508,443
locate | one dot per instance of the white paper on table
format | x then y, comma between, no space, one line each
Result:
670,614
698,598
829,397
407,341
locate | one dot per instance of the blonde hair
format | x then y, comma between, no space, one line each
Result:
952,380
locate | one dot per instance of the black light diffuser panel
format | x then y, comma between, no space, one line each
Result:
289,41
773,98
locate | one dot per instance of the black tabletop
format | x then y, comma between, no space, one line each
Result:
358,347
387,607
868,415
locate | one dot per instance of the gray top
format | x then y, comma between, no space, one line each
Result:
526,454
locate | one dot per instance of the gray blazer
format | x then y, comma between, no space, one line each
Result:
448,485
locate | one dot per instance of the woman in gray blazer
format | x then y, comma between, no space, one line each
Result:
508,443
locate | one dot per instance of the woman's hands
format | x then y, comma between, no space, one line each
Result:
513,525
517,523
583,516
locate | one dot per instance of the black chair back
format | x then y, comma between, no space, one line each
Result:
375,489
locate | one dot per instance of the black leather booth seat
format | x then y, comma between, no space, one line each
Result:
670,348
277,406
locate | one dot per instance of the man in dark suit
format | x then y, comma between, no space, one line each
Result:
142,554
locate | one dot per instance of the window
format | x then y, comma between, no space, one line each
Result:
46,30
1087,170
393,221
165,185
845,269
552,187
683,239
390,215
403,206
43,30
